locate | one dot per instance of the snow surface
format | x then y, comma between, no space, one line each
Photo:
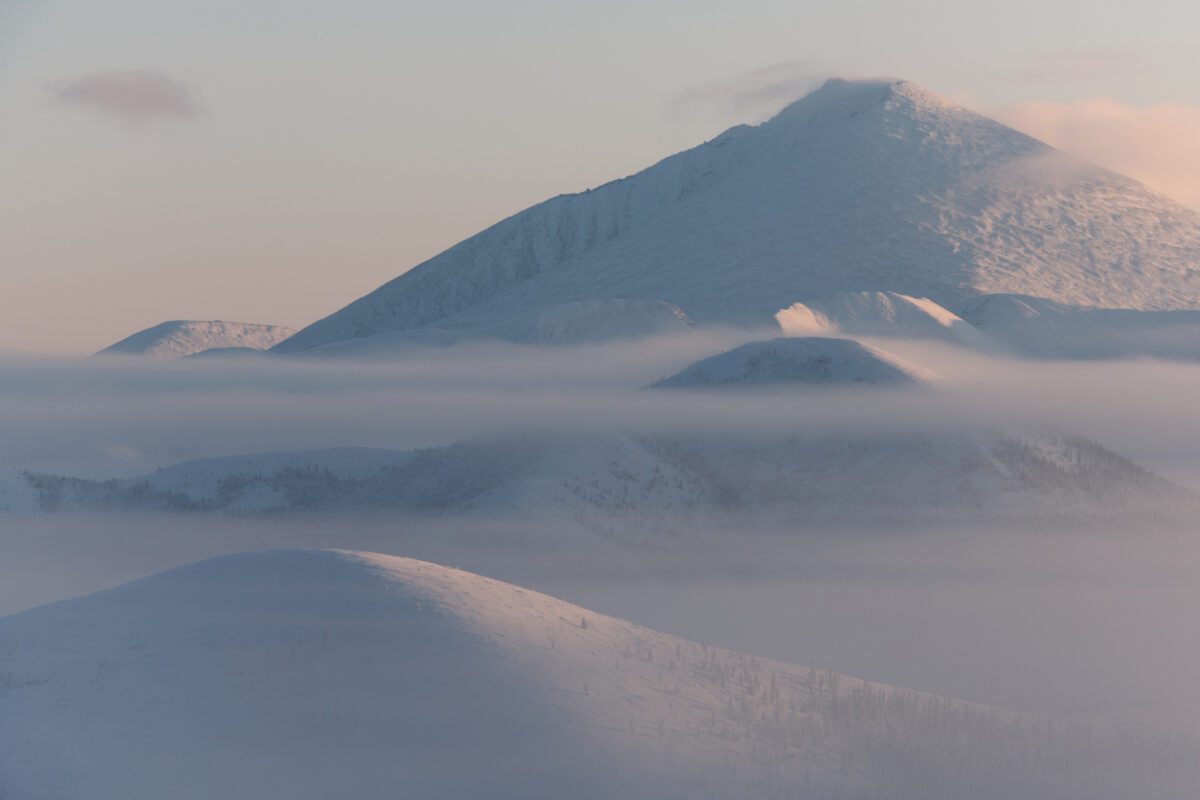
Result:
603,320
317,674
17,496
187,337
880,314
1035,327
809,360
860,186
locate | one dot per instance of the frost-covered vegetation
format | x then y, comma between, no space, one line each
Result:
623,483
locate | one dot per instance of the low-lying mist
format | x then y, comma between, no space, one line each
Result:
114,417
1070,619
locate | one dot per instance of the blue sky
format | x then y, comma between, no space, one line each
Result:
275,160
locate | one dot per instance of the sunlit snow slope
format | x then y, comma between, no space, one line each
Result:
880,314
318,674
860,186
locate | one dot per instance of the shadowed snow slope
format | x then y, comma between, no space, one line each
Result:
599,320
1036,327
318,674
809,360
626,485
860,186
185,337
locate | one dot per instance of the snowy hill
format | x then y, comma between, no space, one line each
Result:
317,674
627,486
880,314
186,337
860,186
811,360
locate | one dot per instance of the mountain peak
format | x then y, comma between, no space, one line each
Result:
839,97
861,186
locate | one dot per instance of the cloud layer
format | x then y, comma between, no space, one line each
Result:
1158,145
134,95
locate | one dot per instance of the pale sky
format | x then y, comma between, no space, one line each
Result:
271,161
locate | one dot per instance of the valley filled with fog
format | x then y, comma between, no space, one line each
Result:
848,455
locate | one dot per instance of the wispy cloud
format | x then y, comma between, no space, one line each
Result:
755,94
1075,65
1158,145
133,95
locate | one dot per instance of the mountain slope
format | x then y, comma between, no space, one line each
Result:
316,674
629,486
1039,328
880,314
860,186
186,337
808,360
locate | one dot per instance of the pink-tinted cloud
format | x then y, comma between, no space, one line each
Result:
1158,145
1075,65
134,95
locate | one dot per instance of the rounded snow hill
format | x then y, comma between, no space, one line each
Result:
811,360
320,673
183,337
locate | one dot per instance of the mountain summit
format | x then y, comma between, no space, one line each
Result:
859,186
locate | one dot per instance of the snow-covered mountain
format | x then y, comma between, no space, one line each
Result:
880,314
185,337
628,486
317,674
860,186
600,320
805,360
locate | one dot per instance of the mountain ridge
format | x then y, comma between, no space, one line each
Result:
859,186
185,337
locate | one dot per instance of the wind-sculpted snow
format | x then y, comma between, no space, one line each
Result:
804,360
861,186
317,673
880,314
627,486
187,337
